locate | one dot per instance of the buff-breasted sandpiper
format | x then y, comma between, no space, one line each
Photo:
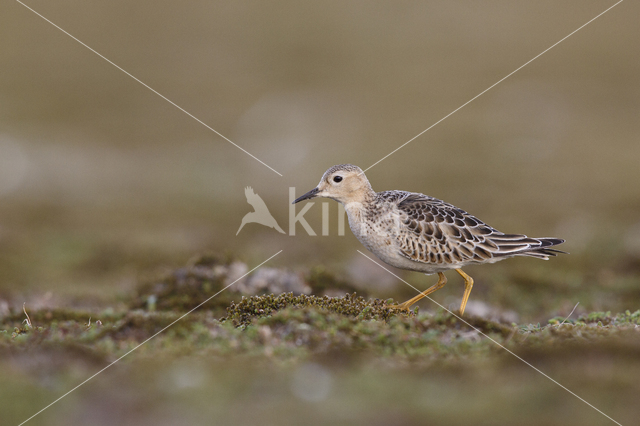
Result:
417,232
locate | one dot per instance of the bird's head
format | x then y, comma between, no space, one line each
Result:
344,183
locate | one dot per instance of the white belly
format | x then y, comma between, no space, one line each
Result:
380,237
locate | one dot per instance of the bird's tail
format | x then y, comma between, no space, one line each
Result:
521,245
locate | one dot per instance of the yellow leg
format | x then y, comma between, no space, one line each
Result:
468,285
442,280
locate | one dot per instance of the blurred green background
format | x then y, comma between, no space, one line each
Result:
104,184
102,181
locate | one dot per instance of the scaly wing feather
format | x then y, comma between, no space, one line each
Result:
436,232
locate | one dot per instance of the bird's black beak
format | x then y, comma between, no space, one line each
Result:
311,194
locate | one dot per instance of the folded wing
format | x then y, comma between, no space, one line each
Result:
433,231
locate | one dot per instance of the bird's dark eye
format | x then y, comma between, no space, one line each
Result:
337,179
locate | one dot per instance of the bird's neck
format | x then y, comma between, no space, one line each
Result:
357,206
363,196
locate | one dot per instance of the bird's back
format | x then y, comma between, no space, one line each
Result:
418,232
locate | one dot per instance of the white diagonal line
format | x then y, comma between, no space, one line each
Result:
149,338
155,91
571,313
494,341
490,87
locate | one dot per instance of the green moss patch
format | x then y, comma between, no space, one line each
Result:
250,308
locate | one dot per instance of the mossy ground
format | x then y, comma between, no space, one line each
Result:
328,354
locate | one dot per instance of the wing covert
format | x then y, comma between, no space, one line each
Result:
433,231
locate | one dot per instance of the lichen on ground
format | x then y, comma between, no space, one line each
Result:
223,276
282,327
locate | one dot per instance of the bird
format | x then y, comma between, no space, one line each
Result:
416,232
260,214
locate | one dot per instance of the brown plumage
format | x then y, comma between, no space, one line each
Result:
413,231
438,232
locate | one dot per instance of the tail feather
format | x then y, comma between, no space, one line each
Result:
521,245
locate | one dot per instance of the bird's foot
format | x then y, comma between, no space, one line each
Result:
400,307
